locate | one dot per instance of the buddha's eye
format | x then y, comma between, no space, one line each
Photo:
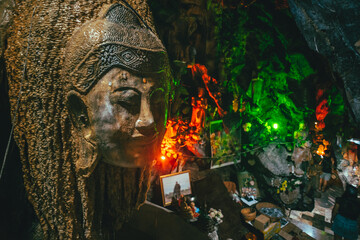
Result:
127,98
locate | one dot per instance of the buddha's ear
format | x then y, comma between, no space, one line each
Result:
78,111
88,152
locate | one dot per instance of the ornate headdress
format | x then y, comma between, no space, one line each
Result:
117,38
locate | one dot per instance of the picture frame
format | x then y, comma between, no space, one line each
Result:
219,141
248,187
173,185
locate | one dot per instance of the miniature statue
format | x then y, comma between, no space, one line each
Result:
199,105
194,210
185,210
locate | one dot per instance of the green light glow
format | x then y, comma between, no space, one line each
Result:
275,72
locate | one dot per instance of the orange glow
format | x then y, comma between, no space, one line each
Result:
202,70
322,147
175,136
322,109
321,150
319,94
199,105
179,134
163,158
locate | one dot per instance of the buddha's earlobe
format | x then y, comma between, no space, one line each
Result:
87,152
88,158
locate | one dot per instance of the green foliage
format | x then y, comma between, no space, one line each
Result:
232,40
336,102
300,67
249,41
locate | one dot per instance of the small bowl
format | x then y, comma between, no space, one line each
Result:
248,213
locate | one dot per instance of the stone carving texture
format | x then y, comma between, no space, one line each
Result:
71,204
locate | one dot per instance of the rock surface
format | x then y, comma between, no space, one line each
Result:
332,28
274,159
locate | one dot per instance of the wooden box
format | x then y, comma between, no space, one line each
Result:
261,222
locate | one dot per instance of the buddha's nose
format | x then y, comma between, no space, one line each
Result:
145,123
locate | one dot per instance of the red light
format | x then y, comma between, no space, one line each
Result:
202,70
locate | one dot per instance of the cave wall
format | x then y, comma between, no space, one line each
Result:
332,28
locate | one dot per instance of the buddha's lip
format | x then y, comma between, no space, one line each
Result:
143,140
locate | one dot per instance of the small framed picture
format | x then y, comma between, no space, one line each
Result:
174,185
248,185
221,152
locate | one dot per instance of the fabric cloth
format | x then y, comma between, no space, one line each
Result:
349,208
327,165
345,227
325,176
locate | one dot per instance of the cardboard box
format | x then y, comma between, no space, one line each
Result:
271,230
301,236
261,222
285,235
290,231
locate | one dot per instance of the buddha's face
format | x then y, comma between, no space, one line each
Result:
127,117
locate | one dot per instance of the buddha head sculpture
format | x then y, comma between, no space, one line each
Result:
118,75
92,112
